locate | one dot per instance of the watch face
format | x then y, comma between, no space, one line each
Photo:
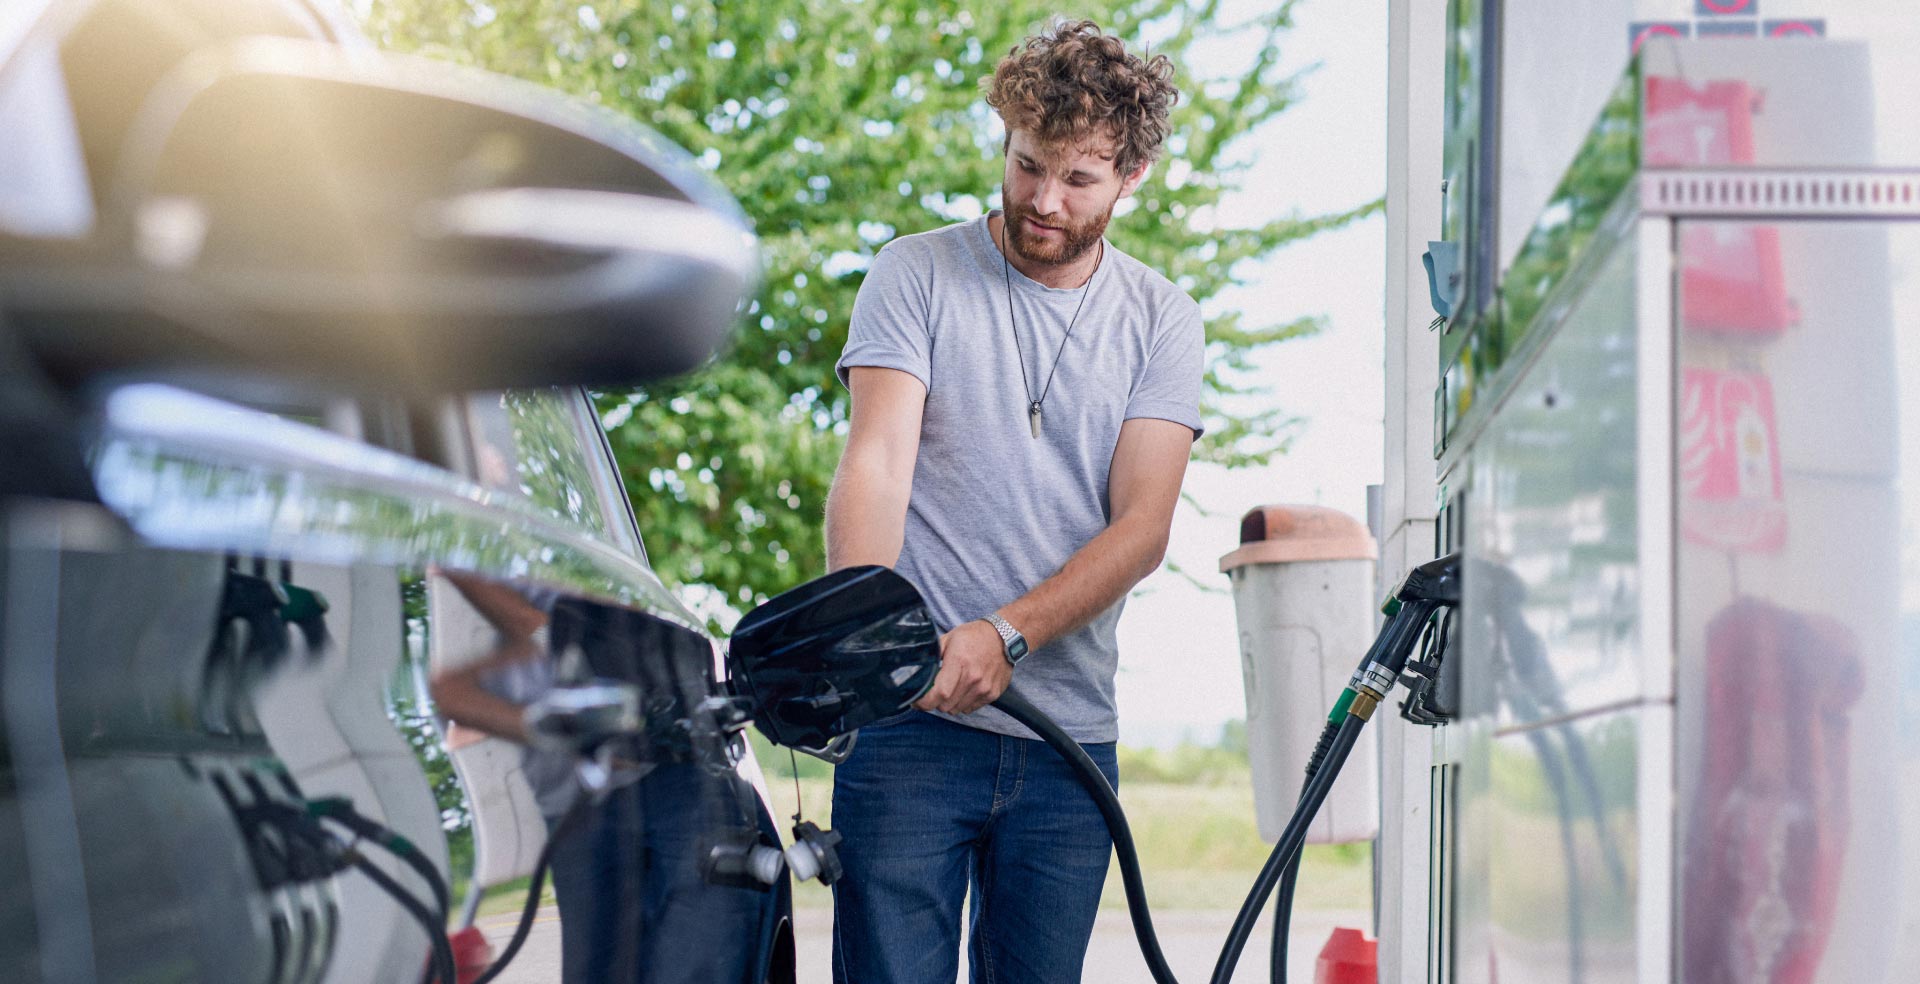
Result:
1016,649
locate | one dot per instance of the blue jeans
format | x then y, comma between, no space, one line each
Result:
929,808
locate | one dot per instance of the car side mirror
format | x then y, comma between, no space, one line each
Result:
831,655
371,222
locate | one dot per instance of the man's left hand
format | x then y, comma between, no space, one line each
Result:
973,670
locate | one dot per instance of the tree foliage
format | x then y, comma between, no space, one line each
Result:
840,124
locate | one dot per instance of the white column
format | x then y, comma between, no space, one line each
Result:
1416,76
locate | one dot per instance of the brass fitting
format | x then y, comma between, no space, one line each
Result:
1363,704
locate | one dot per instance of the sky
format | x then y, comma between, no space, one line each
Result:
1179,651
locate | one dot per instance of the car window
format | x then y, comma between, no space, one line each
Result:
545,445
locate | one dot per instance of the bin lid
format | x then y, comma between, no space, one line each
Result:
1281,534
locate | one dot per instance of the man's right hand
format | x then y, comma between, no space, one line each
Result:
973,671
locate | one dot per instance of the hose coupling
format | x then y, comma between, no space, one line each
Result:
1364,701
1377,680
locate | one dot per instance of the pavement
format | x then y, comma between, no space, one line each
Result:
1190,939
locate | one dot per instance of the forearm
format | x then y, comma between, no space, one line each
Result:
1091,581
866,516
459,696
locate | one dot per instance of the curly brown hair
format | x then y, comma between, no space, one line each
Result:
1076,83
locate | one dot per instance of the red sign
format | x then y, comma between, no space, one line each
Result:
1732,280
1641,32
1730,461
1815,28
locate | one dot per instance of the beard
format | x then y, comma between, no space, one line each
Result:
1074,242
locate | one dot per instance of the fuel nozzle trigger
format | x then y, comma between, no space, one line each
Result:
1426,677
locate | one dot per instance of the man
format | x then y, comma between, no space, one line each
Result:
1024,400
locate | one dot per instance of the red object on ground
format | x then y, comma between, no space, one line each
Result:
1348,958
472,954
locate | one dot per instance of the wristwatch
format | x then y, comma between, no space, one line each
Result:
1010,638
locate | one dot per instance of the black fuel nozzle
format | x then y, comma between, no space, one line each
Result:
1427,590
1437,580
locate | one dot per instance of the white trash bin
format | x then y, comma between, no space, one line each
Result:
1302,594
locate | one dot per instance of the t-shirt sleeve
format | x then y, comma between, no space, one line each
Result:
1169,389
889,327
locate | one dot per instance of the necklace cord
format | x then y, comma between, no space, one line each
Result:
1006,267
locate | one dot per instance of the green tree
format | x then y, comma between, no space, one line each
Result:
840,124
411,712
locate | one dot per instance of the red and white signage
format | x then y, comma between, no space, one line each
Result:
1730,461
1640,32
1731,276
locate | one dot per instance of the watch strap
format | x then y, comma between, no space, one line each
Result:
1011,641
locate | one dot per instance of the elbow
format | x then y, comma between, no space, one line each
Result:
444,694
451,691
1155,559
1143,542
1153,551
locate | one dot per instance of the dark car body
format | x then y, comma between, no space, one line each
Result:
287,326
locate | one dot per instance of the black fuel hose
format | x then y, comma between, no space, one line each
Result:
1287,849
1283,904
1390,650
581,805
302,833
442,961
342,812
1426,589
1017,708
1282,923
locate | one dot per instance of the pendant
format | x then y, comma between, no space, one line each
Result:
1033,419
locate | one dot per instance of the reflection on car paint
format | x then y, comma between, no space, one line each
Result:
248,483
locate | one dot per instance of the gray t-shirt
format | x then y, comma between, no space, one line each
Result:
994,511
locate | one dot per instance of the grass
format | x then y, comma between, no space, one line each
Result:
1190,809
1199,849
509,897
